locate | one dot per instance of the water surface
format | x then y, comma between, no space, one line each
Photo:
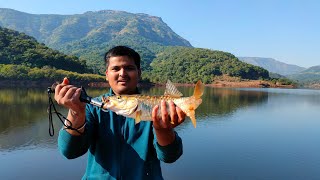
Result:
240,134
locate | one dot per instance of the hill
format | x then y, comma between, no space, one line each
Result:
90,34
273,65
187,65
100,26
22,57
308,76
21,49
165,55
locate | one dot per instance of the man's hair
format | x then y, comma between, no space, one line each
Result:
122,51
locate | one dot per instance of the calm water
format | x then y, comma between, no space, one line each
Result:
240,134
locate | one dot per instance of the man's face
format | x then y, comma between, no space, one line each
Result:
123,75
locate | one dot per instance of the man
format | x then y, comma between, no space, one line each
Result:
117,147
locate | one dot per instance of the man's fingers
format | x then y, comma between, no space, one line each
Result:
173,113
156,122
59,92
63,90
170,117
65,93
164,114
70,94
181,115
154,113
65,81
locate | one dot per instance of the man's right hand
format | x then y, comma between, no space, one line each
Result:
69,96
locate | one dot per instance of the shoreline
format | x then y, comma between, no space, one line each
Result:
215,84
250,84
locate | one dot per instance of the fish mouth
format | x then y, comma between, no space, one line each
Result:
105,101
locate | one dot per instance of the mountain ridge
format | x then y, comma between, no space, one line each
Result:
54,30
89,35
24,59
307,76
273,65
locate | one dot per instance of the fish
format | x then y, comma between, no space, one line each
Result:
140,106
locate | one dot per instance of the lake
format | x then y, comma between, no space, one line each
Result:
241,134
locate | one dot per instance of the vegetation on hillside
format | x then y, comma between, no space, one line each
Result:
187,65
94,53
308,77
89,35
18,48
22,57
22,72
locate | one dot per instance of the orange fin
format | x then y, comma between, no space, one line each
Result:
198,90
171,90
137,119
193,118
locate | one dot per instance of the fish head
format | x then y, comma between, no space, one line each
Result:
122,105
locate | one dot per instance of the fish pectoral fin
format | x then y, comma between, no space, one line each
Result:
137,119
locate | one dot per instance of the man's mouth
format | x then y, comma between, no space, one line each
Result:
123,80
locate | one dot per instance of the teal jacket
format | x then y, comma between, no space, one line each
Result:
117,147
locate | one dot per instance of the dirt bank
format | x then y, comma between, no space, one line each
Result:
249,84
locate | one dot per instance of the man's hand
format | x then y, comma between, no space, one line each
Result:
164,125
69,97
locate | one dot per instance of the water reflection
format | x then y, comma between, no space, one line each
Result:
25,120
225,101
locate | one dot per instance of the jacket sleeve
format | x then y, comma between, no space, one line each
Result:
75,146
72,146
171,152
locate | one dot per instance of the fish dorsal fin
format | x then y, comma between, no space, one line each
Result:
171,90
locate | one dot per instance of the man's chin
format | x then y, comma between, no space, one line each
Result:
122,90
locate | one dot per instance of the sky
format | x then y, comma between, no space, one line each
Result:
286,30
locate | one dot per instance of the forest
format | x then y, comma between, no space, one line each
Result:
22,57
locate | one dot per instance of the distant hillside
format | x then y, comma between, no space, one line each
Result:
22,57
101,27
187,65
273,65
21,49
310,75
89,35
165,55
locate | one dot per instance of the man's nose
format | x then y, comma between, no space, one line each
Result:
122,72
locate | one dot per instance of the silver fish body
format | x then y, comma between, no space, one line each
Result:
140,107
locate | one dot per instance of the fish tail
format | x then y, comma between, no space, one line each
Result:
193,102
193,118
198,90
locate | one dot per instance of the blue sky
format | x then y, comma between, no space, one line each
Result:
286,30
